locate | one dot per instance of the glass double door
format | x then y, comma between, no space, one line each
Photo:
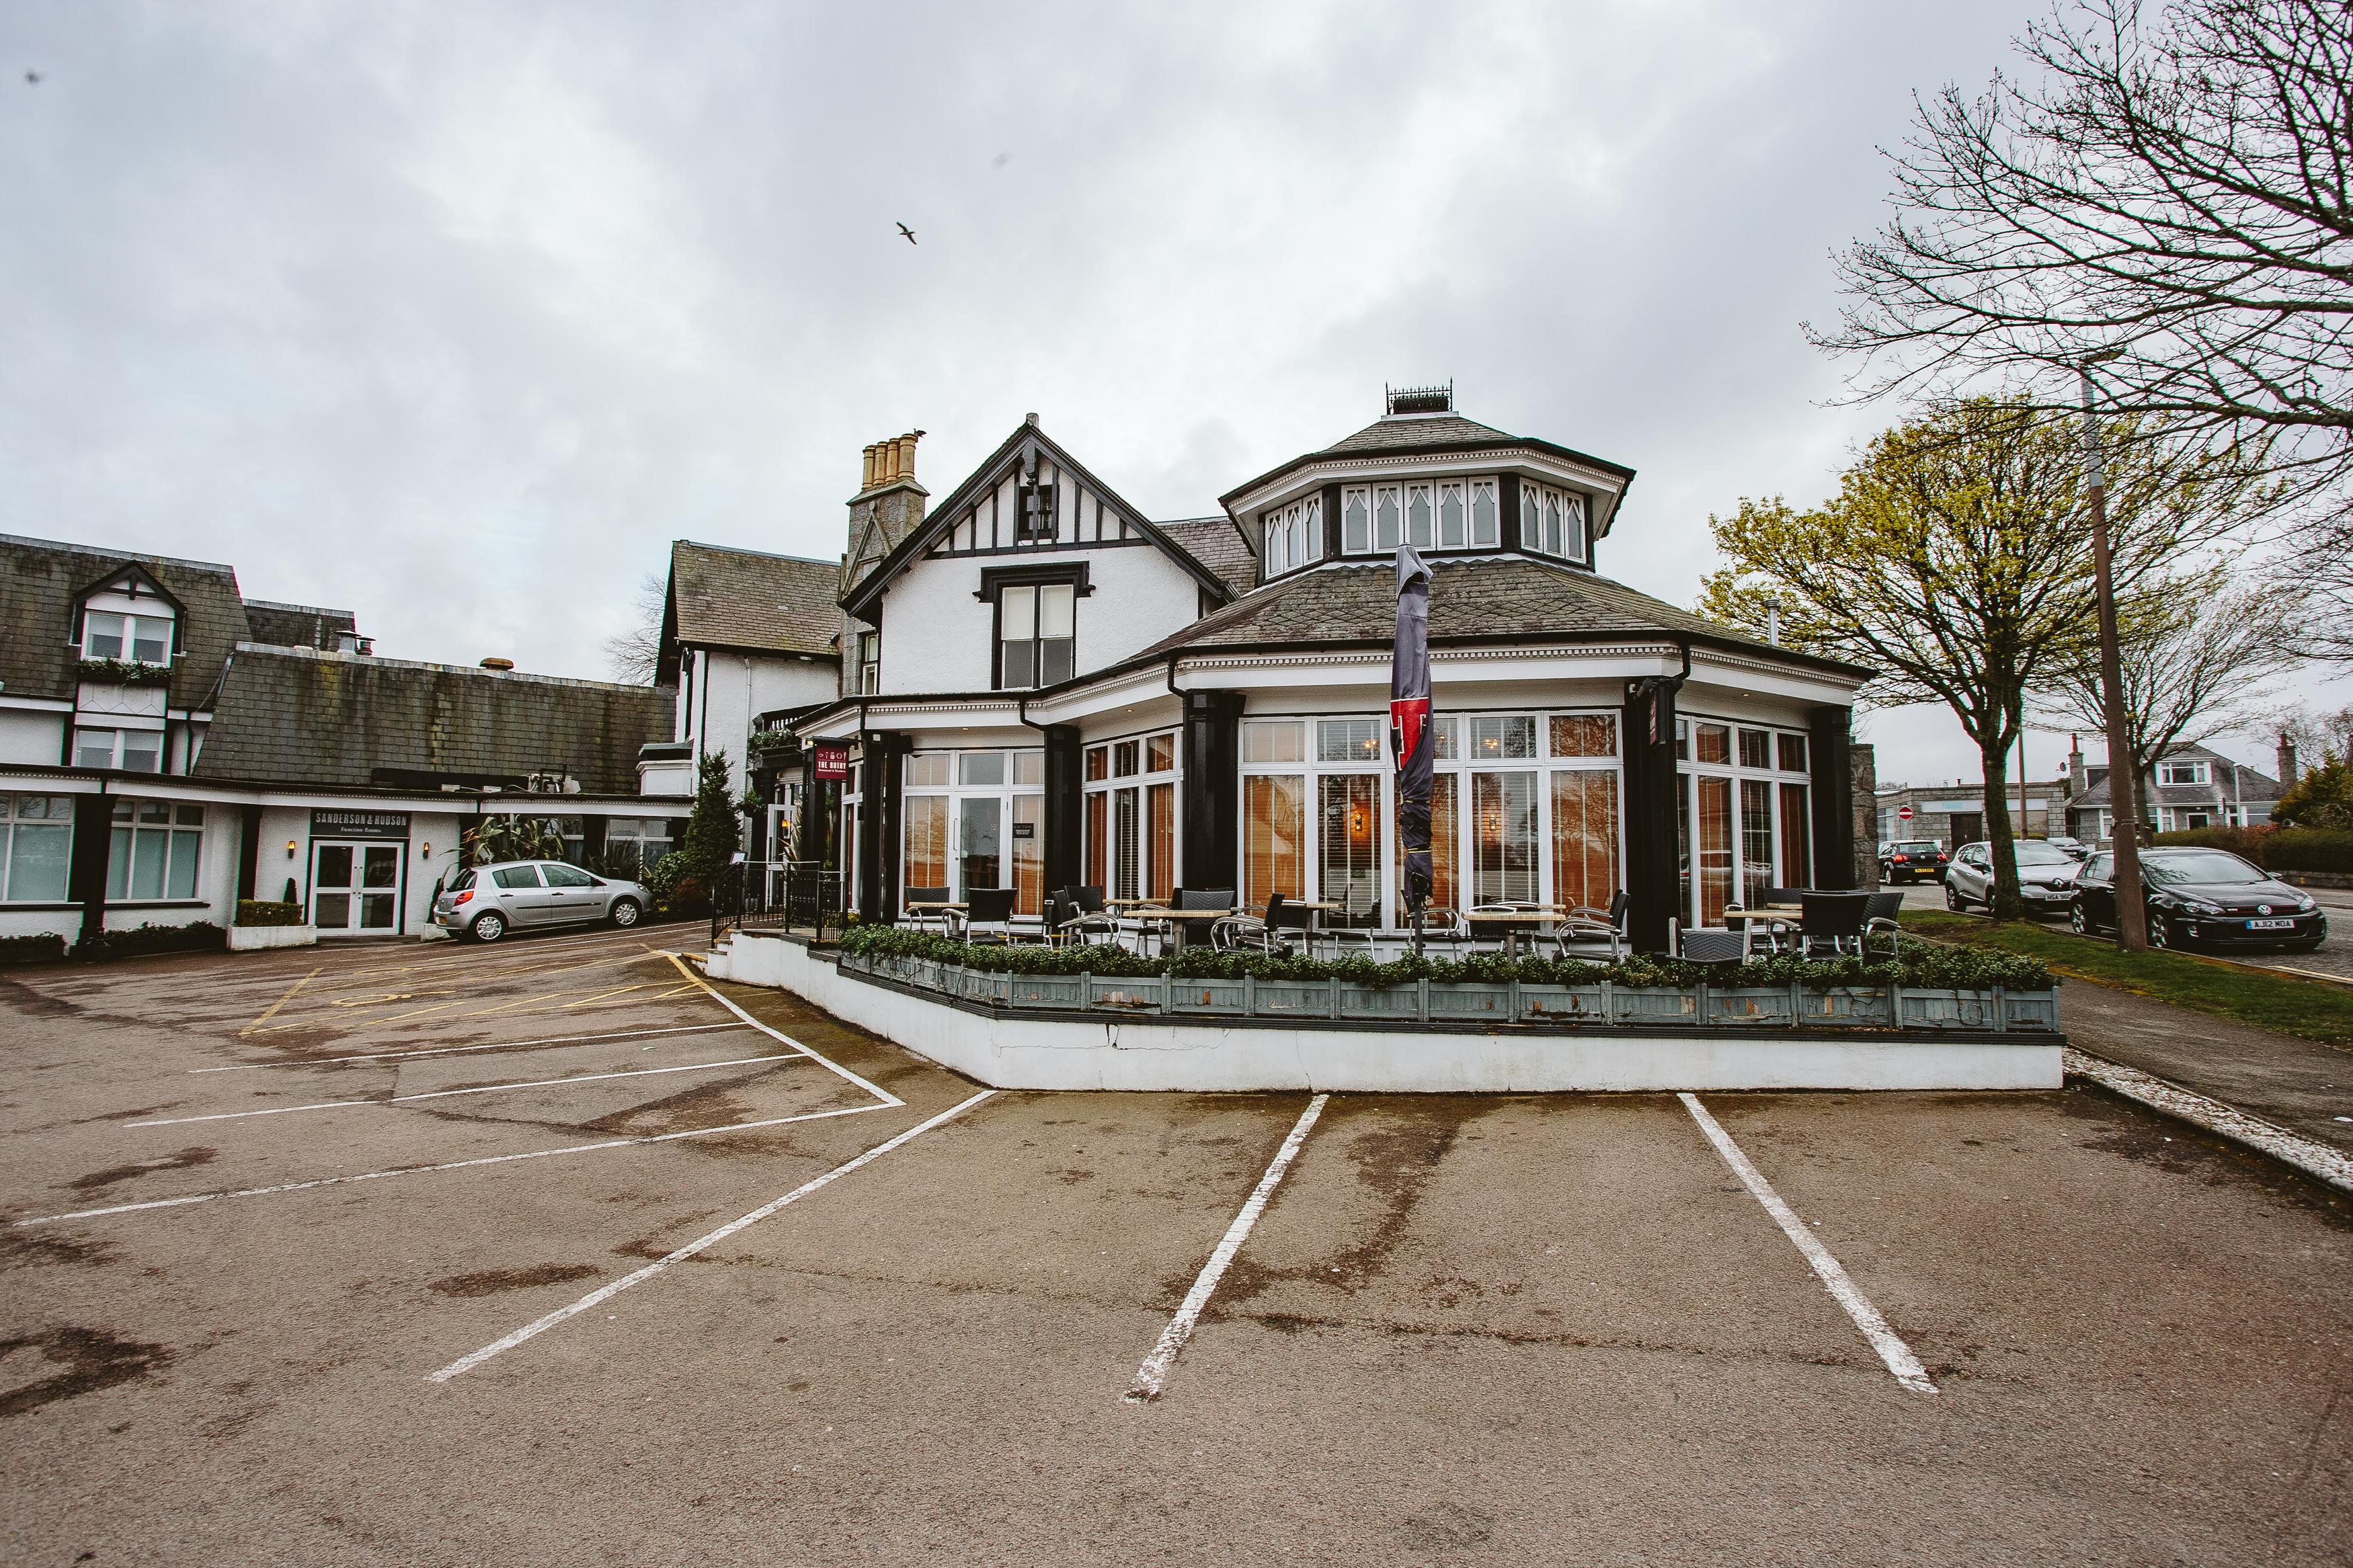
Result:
355,888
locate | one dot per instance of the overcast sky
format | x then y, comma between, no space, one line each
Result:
456,314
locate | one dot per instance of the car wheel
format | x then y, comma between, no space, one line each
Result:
625,912
1953,899
488,927
2077,920
2159,938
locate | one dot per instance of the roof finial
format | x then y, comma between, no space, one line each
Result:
1420,399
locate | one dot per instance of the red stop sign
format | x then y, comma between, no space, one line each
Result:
1904,814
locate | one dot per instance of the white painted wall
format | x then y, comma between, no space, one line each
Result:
936,636
737,687
1205,1057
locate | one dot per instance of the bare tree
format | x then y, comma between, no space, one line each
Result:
2194,661
2176,189
635,654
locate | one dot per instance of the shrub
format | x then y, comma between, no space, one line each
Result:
1917,964
40,947
200,936
2307,849
2323,797
713,832
267,912
2247,842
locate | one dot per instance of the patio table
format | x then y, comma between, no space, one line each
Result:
1513,923
1177,921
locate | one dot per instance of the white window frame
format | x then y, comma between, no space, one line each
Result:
1013,762
1037,639
141,830
1688,768
26,819
118,748
1111,786
2199,771
1361,504
127,626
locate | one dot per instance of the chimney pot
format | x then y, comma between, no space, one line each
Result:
496,663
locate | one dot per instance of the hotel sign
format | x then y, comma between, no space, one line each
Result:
832,762
359,825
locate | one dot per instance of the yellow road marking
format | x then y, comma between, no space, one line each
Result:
282,1001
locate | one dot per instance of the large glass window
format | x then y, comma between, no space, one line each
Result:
926,856
132,750
35,847
1293,535
980,845
1552,521
1797,831
1440,514
1131,817
1755,834
1349,820
1504,837
1713,842
1274,834
1584,837
153,850
975,820
1743,826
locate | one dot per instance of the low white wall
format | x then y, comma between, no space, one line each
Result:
256,939
1201,1057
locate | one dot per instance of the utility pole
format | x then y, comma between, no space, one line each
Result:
2123,784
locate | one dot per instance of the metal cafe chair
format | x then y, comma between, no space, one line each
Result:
1070,923
1772,932
1711,946
1879,920
938,919
1440,923
1581,924
1346,929
1284,918
988,916
1836,919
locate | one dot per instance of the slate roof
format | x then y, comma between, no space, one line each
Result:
297,625
1217,543
1418,430
306,715
40,579
1487,599
720,597
2254,784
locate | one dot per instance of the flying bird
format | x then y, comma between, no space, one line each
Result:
908,232
32,78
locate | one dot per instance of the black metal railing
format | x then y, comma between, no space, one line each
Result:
785,895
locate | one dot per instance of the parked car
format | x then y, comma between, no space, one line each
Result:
486,902
2202,898
1912,860
2046,876
2075,849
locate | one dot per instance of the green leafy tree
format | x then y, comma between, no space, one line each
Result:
1954,561
714,828
2323,797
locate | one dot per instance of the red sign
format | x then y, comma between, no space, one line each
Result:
1902,813
832,762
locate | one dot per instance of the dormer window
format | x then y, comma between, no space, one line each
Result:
1552,521
1441,514
1294,535
2182,773
141,639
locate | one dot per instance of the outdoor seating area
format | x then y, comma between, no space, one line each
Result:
1824,924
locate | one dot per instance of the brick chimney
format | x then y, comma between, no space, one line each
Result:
2076,781
888,507
2286,760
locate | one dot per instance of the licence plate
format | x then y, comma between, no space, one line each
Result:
2271,925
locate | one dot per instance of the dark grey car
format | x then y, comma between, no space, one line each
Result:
486,902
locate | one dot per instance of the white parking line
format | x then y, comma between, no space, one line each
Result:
884,1095
478,1089
1892,1350
1154,1370
454,1050
468,1363
448,1165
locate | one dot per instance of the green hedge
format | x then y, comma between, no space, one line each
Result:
200,936
1918,964
41,947
2276,848
267,912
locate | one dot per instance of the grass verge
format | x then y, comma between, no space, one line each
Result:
2308,1008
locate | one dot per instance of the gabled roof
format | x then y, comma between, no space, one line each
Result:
41,581
309,716
2254,785
1485,599
1216,543
750,600
1022,447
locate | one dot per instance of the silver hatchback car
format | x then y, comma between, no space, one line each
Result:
486,902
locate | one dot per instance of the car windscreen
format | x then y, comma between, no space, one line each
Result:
465,880
2030,853
2199,866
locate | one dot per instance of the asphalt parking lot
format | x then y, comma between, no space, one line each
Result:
381,1254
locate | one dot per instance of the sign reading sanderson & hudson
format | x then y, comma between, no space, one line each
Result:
359,825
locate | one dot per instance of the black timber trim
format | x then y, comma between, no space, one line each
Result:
992,578
1653,801
991,471
83,595
1830,750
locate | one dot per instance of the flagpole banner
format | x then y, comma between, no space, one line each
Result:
1409,736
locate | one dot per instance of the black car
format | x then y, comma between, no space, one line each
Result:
2202,898
1913,860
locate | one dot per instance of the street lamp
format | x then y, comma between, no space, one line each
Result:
2123,785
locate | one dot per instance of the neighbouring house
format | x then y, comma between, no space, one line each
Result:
1954,813
1046,688
168,747
2190,787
